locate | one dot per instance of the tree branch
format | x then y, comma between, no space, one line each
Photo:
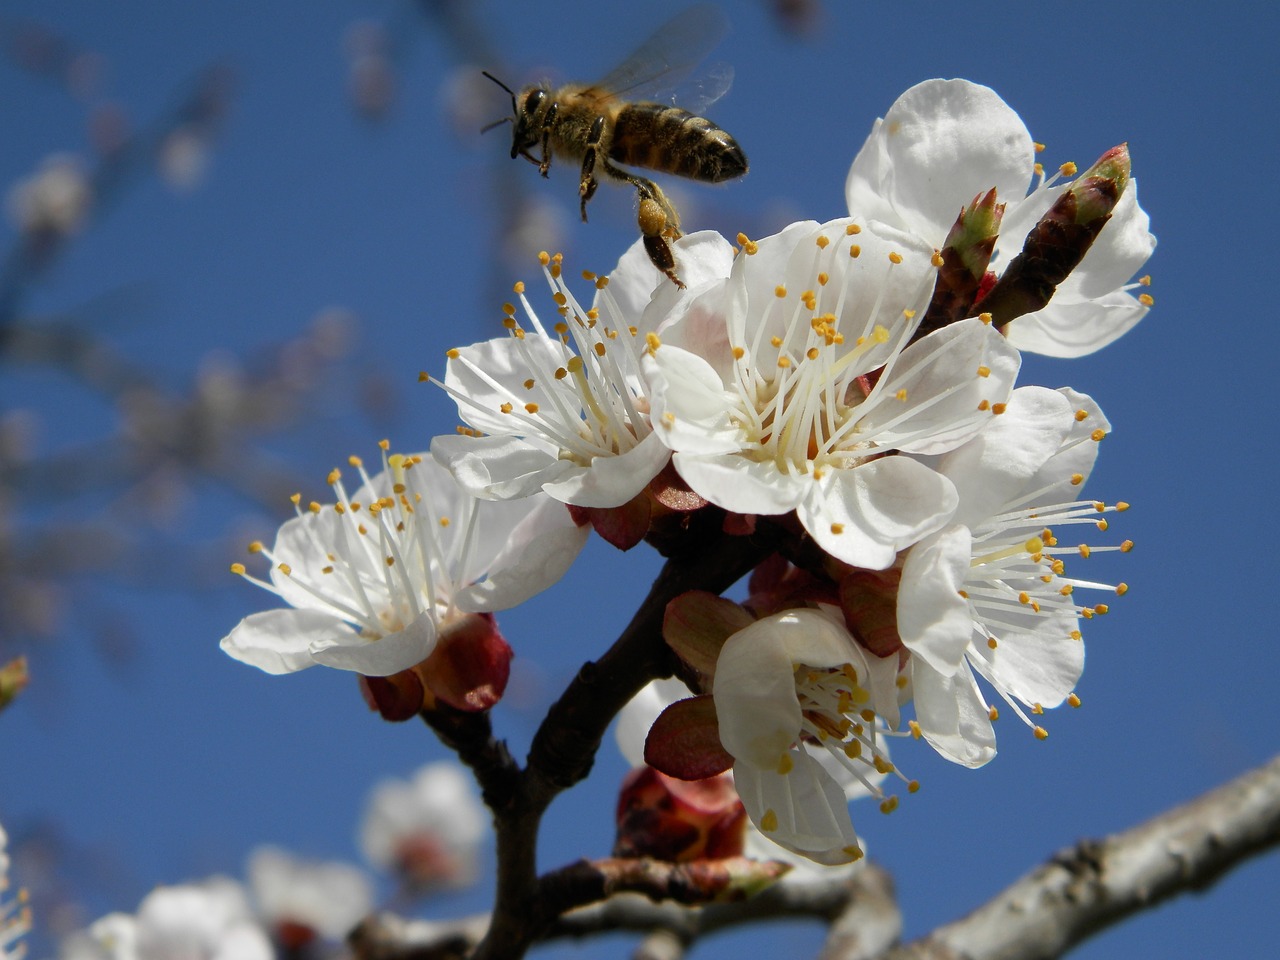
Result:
1087,888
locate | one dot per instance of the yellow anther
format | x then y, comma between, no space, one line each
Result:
1103,525
1041,733
837,528
1098,435
822,278
739,353
822,241
985,318
1039,147
1067,590
901,395
315,507
1068,169
993,714
509,323
256,546
285,569
785,764
855,251
984,405
1101,609
851,229
913,786
1073,700
506,407
1037,709
853,749
652,342
1033,545
998,408
238,569
914,727
530,408
936,259
294,498
1024,597
1126,546
901,682
780,291
769,822
882,765
1085,550
1122,506
561,373
984,371
334,476
784,362
992,643
1146,300
1121,589
895,257
543,257
1038,168
424,377
1077,479
599,349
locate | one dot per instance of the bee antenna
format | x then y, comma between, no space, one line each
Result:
504,87
497,123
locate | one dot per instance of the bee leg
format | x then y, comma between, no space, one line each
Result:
545,164
652,220
588,183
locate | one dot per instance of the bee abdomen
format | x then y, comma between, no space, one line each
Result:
676,141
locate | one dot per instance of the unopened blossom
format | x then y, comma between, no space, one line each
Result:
944,143
299,900
428,829
785,384
15,915
375,578
989,596
563,407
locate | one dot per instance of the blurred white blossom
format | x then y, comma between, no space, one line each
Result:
427,830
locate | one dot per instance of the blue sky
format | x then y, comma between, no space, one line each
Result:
176,766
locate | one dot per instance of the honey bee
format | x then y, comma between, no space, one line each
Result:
609,122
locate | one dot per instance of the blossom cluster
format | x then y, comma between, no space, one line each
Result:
426,831
845,391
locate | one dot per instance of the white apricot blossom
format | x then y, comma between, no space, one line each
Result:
784,385
945,142
427,829
565,409
803,710
373,579
303,898
989,596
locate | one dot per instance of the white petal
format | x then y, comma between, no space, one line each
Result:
379,658
952,714
1040,667
866,515
942,143
499,468
280,641
940,380
538,552
612,480
741,485
993,468
504,365
810,807
934,620
1070,330
692,410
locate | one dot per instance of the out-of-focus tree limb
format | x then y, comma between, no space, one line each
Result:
861,907
1095,884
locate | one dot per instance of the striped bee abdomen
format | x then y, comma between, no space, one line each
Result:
672,140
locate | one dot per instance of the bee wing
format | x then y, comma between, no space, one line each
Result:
664,62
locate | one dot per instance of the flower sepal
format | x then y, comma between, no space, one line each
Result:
678,820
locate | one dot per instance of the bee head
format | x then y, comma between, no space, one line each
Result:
524,114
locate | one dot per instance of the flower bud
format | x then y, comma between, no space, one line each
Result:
1056,245
678,820
965,257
